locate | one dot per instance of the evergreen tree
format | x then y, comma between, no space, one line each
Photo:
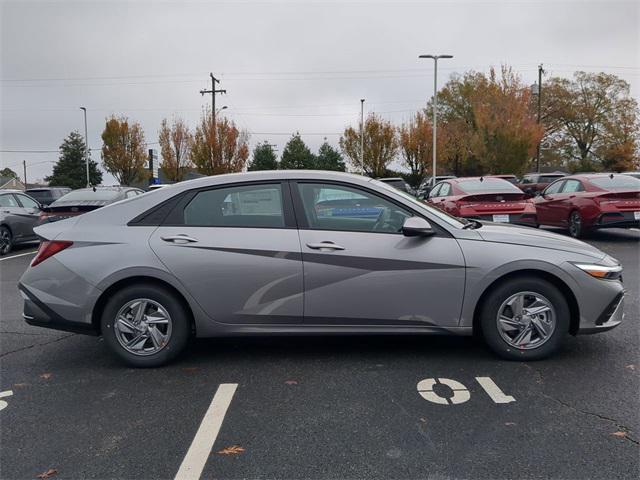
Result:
7,172
329,158
71,168
296,155
264,158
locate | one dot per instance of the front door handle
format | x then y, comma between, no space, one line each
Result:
180,238
326,245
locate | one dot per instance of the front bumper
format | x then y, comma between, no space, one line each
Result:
611,317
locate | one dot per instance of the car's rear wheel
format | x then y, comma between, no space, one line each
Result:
576,228
525,319
6,240
145,325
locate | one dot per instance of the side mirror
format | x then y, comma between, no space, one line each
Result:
417,227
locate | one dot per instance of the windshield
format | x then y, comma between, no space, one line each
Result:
487,185
451,220
618,182
87,194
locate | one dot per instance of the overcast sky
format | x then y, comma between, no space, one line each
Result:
287,65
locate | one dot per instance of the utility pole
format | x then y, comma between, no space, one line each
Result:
24,169
213,92
86,145
435,107
540,72
362,134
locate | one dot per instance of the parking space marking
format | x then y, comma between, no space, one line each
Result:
494,391
460,392
200,449
6,393
18,255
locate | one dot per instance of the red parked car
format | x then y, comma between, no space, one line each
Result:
590,201
484,198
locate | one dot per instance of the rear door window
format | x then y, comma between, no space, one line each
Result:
572,186
8,200
248,206
554,188
445,190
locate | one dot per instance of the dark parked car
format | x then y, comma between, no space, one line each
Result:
427,184
398,183
532,183
47,195
84,200
590,201
18,215
509,178
484,198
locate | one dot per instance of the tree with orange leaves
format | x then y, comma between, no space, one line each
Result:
175,147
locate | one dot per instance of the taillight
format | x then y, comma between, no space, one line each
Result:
48,248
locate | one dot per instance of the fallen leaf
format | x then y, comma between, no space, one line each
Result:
49,473
291,382
20,385
423,420
619,434
233,450
46,376
631,367
509,424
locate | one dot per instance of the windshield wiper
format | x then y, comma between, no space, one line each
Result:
471,224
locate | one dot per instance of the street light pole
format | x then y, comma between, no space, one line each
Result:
435,107
362,134
540,72
86,144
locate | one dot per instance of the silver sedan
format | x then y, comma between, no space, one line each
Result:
313,253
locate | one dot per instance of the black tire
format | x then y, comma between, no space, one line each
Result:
6,240
576,227
498,295
180,320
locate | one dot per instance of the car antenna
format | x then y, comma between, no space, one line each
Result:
482,179
611,176
94,188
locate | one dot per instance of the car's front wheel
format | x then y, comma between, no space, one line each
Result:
145,325
525,319
6,240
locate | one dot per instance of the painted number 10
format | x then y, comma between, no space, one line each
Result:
460,393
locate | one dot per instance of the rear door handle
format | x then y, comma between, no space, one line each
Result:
327,245
180,238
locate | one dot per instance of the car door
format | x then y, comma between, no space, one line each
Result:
30,213
359,269
14,217
548,204
236,249
567,199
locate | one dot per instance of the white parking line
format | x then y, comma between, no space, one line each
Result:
200,449
18,255
494,391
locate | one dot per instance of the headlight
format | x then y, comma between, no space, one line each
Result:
606,272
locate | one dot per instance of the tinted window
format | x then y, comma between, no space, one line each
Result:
8,200
27,202
553,188
529,179
618,182
337,207
242,206
571,186
487,185
43,196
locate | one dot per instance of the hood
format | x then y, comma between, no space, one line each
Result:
513,234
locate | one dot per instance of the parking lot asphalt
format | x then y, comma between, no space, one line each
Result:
335,407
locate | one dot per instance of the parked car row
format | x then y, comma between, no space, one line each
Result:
579,203
21,213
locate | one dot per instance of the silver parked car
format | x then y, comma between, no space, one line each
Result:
310,252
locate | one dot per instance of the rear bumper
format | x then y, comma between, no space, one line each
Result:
38,314
617,220
525,219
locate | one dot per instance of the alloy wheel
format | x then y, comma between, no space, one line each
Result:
143,327
575,224
526,320
5,241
